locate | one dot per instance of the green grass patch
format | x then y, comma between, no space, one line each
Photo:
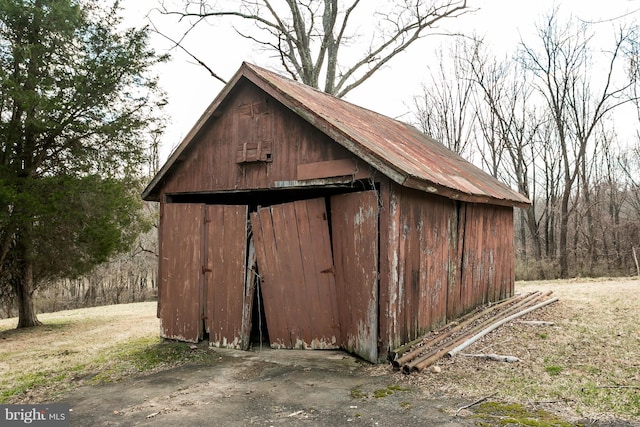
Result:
145,355
384,392
509,414
357,393
135,357
24,383
553,369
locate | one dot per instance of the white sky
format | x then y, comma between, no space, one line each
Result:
190,88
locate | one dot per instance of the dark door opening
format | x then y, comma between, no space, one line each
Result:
259,332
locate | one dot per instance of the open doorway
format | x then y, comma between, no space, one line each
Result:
259,335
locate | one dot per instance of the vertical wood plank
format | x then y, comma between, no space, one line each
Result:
294,259
269,268
454,298
318,273
384,285
225,273
291,275
354,218
249,293
180,311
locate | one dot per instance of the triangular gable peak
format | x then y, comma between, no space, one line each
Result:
396,149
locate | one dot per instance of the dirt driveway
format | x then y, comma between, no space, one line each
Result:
267,388
584,367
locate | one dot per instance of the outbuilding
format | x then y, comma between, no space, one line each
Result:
293,218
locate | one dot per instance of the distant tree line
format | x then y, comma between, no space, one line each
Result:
548,121
79,127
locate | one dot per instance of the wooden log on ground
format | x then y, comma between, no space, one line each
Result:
464,322
498,324
423,361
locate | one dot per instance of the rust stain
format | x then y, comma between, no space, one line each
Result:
393,146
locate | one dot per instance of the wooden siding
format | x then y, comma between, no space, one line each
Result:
181,280
487,270
216,162
225,246
298,287
424,227
354,224
443,259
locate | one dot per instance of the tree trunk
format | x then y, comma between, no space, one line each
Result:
564,231
25,288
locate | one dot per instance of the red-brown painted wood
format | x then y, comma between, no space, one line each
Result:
294,260
181,272
354,219
226,242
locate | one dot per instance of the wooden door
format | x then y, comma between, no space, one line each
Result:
227,298
180,290
295,263
354,225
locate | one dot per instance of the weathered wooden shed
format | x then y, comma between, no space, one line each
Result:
321,224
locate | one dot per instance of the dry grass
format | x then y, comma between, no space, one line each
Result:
584,366
68,347
587,365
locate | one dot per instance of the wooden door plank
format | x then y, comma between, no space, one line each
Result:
225,272
181,272
268,267
354,219
291,277
319,280
294,259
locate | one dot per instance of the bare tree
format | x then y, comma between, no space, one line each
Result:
444,110
311,38
564,73
511,124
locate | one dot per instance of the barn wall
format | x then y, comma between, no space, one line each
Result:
443,258
486,250
254,143
419,235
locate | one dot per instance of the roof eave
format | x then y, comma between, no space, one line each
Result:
518,200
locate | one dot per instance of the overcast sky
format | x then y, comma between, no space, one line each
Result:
503,23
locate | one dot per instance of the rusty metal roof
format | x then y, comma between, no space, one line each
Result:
398,150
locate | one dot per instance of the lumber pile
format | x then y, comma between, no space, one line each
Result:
455,337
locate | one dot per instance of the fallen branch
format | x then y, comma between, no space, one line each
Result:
475,403
494,357
496,325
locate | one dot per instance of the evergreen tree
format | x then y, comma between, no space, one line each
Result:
76,106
